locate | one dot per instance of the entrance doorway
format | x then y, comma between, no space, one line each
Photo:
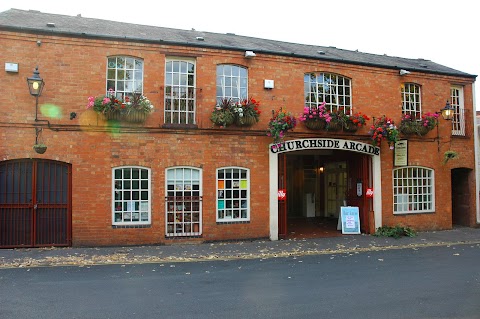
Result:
318,183
461,197
35,203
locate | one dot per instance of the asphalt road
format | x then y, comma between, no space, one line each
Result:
432,282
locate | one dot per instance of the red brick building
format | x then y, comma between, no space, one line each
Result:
112,175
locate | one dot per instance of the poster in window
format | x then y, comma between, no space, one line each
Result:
236,184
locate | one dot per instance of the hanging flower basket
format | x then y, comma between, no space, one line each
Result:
245,120
246,112
280,123
40,148
315,125
350,127
132,107
410,125
334,126
136,116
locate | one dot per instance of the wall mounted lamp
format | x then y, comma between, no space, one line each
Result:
447,111
35,86
404,72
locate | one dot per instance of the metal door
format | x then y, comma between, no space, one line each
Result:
35,203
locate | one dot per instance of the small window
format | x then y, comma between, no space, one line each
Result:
413,190
179,92
232,82
131,196
124,76
233,194
411,100
334,90
183,202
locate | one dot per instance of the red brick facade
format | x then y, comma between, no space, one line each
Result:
73,68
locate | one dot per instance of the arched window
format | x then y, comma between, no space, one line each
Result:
131,195
334,90
232,82
413,190
183,203
180,91
124,75
233,194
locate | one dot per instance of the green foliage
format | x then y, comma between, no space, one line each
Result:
395,232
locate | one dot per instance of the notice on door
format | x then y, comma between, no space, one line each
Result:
350,220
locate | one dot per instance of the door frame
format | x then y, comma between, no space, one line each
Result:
322,144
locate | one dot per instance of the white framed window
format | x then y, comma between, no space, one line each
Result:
333,89
232,82
413,190
456,101
131,198
183,203
124,75
179,91
233,194
411,100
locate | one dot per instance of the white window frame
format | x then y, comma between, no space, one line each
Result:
333,89
413,190
457,103
123,206
229,207
124,75
181,217
232,82
412,100
179,92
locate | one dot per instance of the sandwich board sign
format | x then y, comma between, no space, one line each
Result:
350,220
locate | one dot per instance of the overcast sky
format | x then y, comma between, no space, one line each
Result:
445,32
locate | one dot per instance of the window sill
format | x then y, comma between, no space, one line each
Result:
233,222
130,226
180,126
413,213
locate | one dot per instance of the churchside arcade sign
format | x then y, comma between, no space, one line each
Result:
325,143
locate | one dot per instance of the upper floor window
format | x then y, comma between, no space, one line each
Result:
233,194
125,76
232,82
411,100
334,90
131,196
180,92
413,190
456,101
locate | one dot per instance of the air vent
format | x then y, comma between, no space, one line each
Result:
423,65
321,52
51,25
200,38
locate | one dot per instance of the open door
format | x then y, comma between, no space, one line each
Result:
359,181
282,196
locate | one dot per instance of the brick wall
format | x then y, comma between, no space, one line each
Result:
75,68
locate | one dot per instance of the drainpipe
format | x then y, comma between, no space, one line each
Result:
476,138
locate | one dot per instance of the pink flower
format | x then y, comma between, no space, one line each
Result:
91,102
106,100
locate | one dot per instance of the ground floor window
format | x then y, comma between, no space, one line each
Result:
131,196
233,188
413,190
183,202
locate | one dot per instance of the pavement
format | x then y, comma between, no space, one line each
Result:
252,249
